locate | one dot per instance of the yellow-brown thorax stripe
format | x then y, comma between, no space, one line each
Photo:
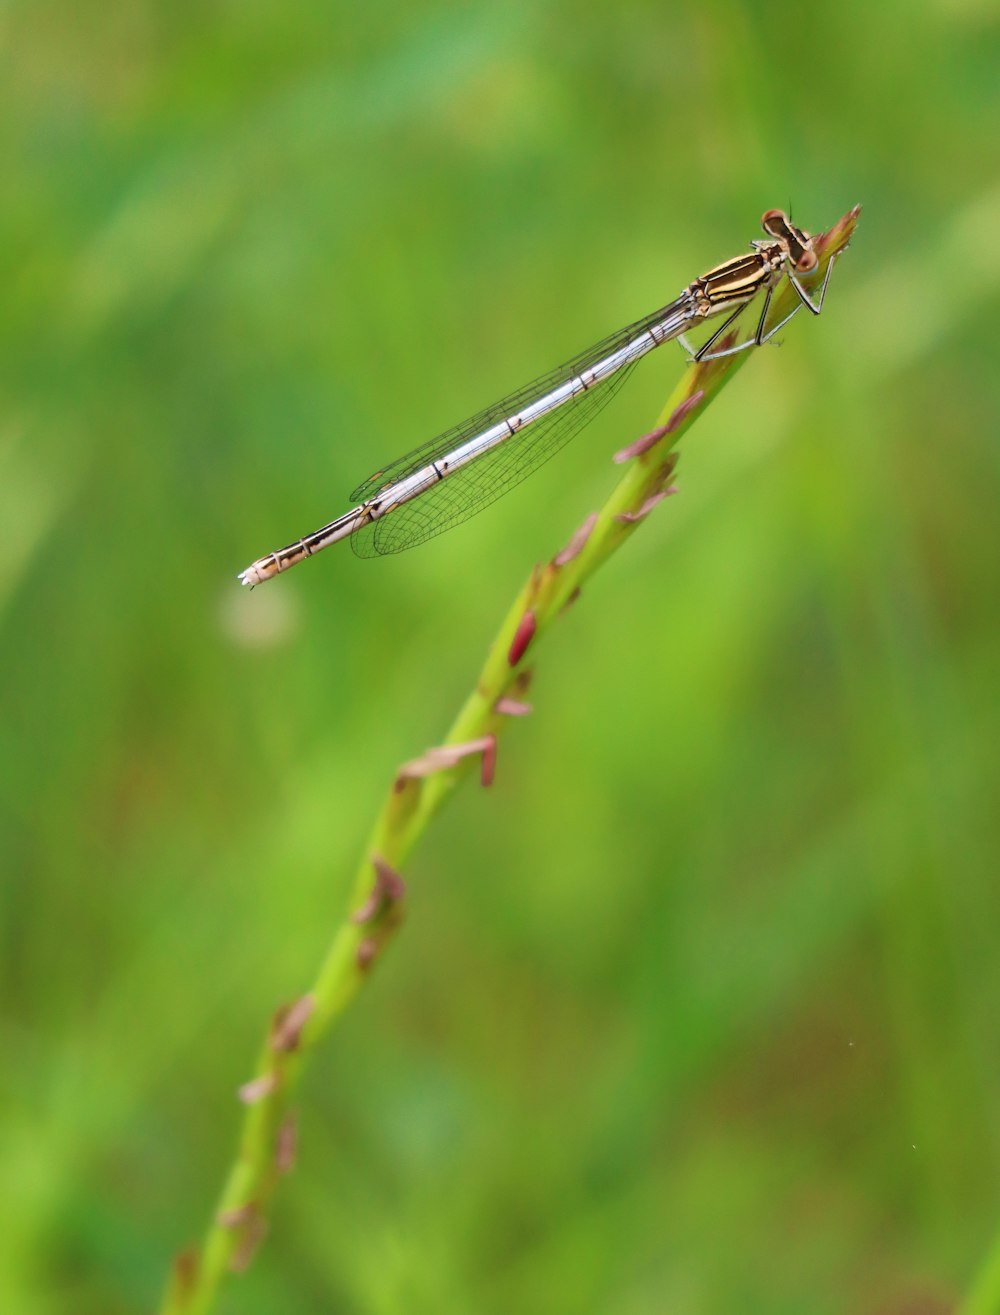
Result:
738,279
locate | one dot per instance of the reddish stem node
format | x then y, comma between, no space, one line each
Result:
523,636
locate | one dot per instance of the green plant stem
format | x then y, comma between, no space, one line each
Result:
415,796
984,1299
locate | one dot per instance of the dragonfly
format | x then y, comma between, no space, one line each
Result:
455,475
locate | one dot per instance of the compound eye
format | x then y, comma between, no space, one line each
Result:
806,262
773,222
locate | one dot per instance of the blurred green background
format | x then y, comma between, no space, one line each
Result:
696,1009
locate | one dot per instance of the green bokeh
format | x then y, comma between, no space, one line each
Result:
695,1010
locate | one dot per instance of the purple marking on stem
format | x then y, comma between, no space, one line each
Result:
512,707
489,761
523,636
392,884
640,445
257,1088
289,1021
253,1233
575,545
286,1145
387,888
236,1218
185,1268
683,410
573,596
366,952
369,908
631,517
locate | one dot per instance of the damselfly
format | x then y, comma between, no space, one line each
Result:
455,475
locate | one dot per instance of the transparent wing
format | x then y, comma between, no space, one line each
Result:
507,406
471,488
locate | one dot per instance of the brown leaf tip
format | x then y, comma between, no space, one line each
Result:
633,517
387,888
236,1218
509,707
390,883
286,1145
185,1270
258,1088
574,594
685,409
366,953
640,445
443,756
252,1234
288,1022
576,544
